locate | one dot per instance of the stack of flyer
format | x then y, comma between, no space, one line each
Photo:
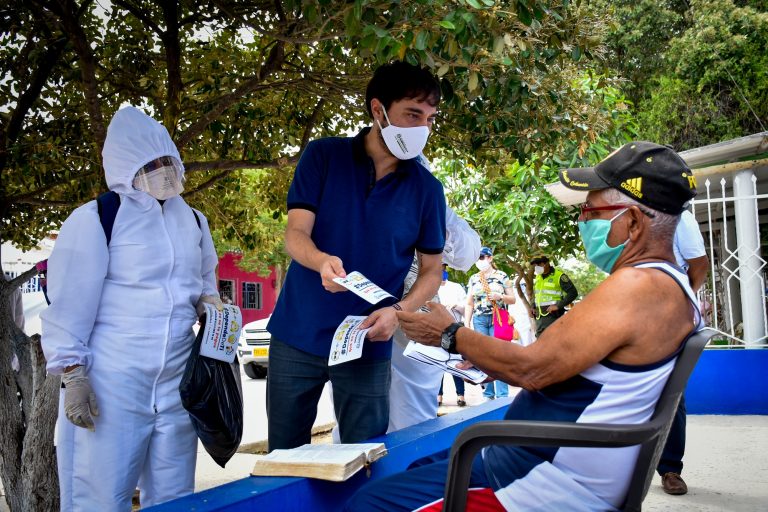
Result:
437,356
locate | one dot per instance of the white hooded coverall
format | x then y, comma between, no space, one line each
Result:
126,311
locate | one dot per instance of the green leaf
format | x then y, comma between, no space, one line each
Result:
498,45
473,80
475,4
421,40
447,24
576,53
523,14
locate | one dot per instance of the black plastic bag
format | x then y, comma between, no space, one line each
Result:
212,394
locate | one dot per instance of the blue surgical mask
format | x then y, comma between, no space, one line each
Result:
594,234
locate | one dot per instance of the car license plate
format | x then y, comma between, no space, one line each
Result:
260,352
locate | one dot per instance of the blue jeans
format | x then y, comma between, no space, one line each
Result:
672,455
458,382
295,383
484,325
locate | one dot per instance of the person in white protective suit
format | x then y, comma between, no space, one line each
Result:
119,327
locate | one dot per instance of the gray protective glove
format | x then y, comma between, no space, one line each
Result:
214,300
79,399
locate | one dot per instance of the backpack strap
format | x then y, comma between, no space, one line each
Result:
107,205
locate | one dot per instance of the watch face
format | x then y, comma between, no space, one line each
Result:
445,341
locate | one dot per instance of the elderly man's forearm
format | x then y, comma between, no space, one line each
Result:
501,360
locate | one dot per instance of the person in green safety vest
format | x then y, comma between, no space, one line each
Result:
552,292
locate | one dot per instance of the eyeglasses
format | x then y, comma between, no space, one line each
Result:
483,256
584,209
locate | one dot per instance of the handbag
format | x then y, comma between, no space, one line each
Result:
503,326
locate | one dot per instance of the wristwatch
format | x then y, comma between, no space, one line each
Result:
448,338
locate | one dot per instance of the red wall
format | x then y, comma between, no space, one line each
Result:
228,270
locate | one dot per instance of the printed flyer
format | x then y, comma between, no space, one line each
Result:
361,286
222,332
437,356
347,341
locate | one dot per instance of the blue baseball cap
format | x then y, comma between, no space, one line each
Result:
486,251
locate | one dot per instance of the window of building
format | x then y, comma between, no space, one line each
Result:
251,296
227,291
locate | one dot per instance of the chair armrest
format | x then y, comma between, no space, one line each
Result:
531,433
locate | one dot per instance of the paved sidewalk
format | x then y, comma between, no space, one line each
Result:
726,467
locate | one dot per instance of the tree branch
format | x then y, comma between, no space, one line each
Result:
233,165
70,25
25,101
25,197
44,202
311,124
209,183
22,278
295,40
140,15
172,47
273,62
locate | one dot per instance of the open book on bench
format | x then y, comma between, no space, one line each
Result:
336,462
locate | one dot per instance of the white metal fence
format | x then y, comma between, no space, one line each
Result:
734,298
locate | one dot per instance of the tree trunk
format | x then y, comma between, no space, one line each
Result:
28,410
39,475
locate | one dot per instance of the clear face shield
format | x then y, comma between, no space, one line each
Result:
161,178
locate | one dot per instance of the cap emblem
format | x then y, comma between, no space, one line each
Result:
634,186
691,180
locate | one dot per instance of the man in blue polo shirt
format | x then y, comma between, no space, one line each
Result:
360,203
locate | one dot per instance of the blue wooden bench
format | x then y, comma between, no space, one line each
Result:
288,494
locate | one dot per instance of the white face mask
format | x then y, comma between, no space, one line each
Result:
161,183
404,143
482,265
538,270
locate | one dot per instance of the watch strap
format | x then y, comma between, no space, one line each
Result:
450,333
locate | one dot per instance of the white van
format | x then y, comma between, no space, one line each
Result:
253,348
